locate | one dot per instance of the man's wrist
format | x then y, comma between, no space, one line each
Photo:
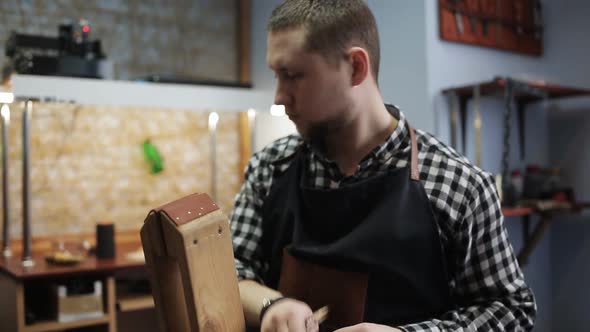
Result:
267,303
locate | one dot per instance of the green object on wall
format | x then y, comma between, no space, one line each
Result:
152,155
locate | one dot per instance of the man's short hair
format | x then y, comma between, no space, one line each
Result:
331,26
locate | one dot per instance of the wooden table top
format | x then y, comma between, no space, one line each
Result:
126,257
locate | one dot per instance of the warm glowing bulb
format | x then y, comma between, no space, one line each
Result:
5,113
251,113
213,120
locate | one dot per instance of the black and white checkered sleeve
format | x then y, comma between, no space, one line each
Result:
246,223
489,286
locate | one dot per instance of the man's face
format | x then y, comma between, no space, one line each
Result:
315,92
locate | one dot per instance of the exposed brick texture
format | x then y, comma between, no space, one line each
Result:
87,164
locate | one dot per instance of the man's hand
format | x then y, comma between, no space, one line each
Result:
289,315
368,327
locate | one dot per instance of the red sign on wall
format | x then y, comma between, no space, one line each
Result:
512,25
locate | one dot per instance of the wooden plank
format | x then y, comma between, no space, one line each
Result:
110,311
135,302
164,278
205,255
20,306
46,326
244,40
517,211
245,139
9,317
197,286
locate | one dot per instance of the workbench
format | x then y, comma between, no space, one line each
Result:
17,283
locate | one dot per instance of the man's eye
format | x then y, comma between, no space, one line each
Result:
288,76
292,76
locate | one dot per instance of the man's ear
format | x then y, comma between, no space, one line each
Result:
359,60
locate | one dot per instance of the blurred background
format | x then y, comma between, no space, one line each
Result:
132,104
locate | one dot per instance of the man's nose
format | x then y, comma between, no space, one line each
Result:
282,96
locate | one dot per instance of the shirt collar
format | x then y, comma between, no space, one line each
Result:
381,153
393,143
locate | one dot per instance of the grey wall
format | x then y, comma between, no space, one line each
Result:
569,125
403,75
570,236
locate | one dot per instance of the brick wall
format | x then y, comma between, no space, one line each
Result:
189,38
87,164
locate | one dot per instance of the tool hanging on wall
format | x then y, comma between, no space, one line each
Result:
472,8
511,88
538,18
484,20
453,101
508,196
499,39
458,16
513,25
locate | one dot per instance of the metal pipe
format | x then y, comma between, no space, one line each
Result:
252,128
453,100
477,124
213,120
27,259
6,251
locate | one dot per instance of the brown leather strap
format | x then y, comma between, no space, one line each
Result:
414,173
188,208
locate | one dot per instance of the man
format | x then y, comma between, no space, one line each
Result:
412,231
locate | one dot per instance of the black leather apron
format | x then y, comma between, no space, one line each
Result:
382,228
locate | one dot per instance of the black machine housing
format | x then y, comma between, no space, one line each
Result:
69,54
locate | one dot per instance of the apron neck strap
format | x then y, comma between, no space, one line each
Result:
414,173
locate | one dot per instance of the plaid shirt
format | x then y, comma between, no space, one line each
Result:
486,282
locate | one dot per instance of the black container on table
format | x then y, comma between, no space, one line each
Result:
105,240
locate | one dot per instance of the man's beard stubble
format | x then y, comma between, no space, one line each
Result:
318,134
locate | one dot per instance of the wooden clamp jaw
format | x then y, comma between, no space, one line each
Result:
189,257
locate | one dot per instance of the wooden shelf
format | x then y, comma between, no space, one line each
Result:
528,91
547,211
14,279
545,208
59,326
517,211
520,91
127,303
